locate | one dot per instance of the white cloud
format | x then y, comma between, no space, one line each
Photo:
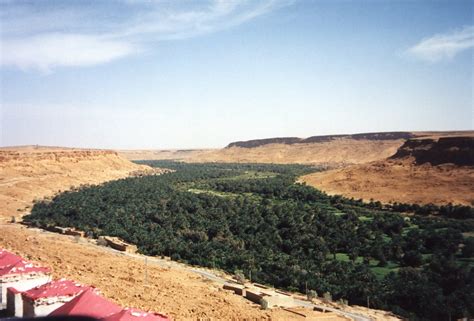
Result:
443,46
46,37
48,51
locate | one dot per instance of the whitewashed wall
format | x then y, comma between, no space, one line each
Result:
21,284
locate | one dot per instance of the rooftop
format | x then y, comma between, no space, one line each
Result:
55,289
89,303
22,267
8,258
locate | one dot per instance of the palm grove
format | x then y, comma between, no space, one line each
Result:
417,261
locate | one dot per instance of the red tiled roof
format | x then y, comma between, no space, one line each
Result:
22,267
8,258
135,315
54,289
89,304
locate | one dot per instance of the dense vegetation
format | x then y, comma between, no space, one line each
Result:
254,218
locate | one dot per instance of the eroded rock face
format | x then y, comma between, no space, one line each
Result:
321,139
452,150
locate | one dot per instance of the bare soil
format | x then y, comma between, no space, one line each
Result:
401,180
334,153
29,173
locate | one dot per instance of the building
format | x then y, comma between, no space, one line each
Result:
118,244
20,275
88,304
44,299
269,298
66,231
135,315
7,258
238,289
14,302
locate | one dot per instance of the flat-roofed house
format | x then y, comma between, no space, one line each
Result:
44,299
19,274
14,303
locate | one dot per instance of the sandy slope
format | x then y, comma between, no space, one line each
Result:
27,173
436,169
175,293
336,152
399,181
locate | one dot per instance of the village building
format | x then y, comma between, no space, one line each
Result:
14,303
20,275
7,258
66,231
89,304
238,289
118,244
263,295
135,315
44,299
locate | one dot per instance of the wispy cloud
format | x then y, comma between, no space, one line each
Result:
443,46
48,51
42,36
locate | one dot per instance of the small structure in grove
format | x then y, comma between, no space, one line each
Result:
66,231
44,299
89,304
118,244
20,275
238,289
260,294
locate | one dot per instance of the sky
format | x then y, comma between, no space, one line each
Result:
163,74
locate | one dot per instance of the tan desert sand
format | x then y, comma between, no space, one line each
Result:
28,173
336,152
422,171
399,181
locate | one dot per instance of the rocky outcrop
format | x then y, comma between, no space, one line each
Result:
445,150
321,139
265,141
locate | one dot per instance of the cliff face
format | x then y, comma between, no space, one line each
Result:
435,170
446,150
321,139
266,141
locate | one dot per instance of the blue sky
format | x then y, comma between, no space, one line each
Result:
193,74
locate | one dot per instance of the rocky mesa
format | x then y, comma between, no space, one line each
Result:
436,170
31,172
329,150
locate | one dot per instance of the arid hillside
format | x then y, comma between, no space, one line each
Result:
335,152
330,150
424,170
27,173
